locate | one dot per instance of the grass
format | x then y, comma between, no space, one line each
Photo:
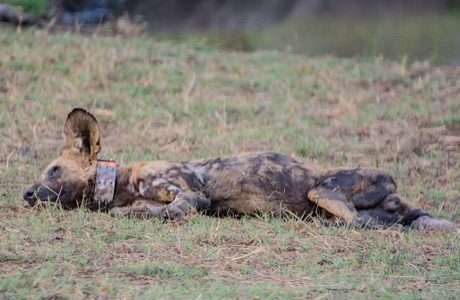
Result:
165,100
401,36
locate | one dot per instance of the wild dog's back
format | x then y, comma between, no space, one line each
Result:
256,182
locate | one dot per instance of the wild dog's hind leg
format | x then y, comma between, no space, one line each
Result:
365,195
344,192
334,202
386,212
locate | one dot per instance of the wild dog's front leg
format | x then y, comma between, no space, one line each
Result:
179,202
184,203
139,208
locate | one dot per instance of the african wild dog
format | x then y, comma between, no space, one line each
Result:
241,184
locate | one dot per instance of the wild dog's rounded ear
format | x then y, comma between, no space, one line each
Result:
82,133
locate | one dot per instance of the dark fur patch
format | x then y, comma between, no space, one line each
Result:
364,187
411,216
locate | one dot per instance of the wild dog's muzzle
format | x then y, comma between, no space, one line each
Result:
39,192
30,197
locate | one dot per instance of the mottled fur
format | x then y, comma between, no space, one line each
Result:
242,184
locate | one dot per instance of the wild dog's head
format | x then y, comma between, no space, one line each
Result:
66,179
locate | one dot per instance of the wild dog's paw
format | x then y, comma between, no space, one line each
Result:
391,203
359,223
173,212
427,222
169,212
156,212
120,211
363,223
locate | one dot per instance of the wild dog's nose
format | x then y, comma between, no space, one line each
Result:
30,197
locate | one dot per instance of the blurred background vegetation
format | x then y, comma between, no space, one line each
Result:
36,7
400,30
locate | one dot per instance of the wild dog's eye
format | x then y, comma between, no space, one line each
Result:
54,171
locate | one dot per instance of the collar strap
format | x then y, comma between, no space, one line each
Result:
106,176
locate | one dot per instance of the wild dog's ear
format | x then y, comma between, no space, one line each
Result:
82,133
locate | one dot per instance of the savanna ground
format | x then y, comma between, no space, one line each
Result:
165,100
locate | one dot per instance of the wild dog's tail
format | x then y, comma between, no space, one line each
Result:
417,218
430,223
412,215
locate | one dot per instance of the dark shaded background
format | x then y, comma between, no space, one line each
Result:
174,15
